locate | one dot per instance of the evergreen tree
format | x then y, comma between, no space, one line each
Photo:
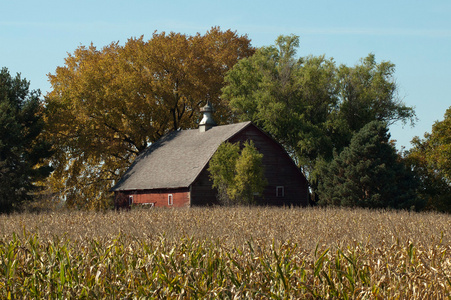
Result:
21,151
369,173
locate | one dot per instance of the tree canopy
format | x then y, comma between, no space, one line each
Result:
309,104
106,106
22,151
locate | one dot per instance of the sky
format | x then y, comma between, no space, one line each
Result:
36,37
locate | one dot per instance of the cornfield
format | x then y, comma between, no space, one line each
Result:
226,253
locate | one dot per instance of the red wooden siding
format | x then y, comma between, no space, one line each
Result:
159,198
202,192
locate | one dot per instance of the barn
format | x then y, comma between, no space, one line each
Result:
172,172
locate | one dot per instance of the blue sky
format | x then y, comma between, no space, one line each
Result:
35,36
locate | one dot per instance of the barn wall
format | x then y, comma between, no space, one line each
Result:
202,192
159,198
280,171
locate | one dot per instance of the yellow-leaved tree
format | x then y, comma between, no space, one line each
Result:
106,106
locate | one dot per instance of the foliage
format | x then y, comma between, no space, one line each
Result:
440,142
237,176
222,167
106,106
430,158
227,253
290,98
250,174
310,105
22,151
369,173
368,92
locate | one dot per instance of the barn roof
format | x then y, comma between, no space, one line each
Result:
175,160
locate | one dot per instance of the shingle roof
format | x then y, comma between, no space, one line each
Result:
176,159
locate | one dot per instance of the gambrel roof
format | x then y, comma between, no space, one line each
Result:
175,160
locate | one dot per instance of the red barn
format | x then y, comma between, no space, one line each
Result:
172,172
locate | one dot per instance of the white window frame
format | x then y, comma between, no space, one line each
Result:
170,199
280,191
130,199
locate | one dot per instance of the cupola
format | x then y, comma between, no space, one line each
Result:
207,121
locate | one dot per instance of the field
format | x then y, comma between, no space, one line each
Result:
239,253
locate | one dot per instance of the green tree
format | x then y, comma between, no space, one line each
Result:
430,159
369,173
310,105
22,151
290,98
238,175
368,92
222,170
106,106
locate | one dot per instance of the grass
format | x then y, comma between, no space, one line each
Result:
269,253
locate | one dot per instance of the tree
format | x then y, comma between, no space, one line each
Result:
22,151
430,159
290,98
369,173
106,106
368,92
310,105
250,175
238,177
440,146
222,170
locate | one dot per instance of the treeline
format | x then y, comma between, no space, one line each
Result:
107,105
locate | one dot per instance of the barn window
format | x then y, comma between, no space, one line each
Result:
170,199
280,191
130,200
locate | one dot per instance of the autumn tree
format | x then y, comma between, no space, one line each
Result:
106,106
237,175
440,142
430,158
22,151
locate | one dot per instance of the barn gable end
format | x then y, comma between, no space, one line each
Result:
286,184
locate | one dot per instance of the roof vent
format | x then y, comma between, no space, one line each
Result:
207,121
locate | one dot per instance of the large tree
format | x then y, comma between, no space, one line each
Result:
309,104
430,158
22,151
369,92
369,173
290,98
106,106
